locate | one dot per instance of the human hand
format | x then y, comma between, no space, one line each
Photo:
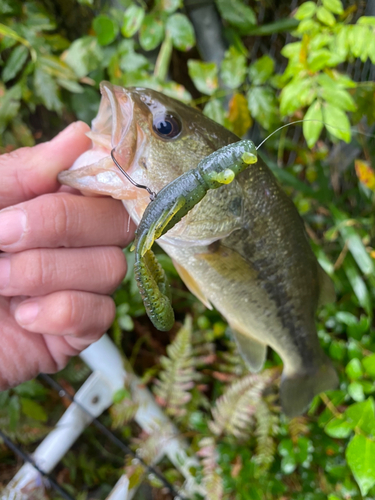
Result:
62,258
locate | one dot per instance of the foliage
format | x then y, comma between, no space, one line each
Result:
50,71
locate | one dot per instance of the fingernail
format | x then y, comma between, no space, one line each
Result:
12,225
26,313
4,271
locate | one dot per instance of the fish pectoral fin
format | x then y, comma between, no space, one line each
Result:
252,351
298,390
228,263
327,292
192,284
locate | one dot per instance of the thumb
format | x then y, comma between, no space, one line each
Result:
28,172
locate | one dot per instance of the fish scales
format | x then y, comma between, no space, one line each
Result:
243,248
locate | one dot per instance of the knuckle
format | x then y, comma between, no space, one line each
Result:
68,316
37,268
56,215
17,158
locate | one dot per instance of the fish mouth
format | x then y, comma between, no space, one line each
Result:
115,119
114,128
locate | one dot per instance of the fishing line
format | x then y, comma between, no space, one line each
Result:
114,439
28,459
318,121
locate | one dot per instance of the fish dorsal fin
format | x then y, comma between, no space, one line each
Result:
252,351
192,284
327,292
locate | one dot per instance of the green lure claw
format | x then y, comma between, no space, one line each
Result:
172,203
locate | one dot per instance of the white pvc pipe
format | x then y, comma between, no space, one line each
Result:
96,395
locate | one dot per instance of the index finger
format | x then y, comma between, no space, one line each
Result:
28,172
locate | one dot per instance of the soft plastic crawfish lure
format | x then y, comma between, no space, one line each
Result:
167,208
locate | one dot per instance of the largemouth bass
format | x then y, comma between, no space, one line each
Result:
242,249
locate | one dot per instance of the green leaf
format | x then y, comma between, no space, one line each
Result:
260,71
337,349
170,6
10,102
214,110
70,85
358,329
368,20
288,464
325,16
357,283
46,89
84,55
313,123
362,416
151,33
357,39
354,369
129,59
347,318
305,11
320,59
360,455
14,411
288,461
334,6
204,75
182,32
263,106
31,389
297,94
34,410
237,14
4,398
353,241
55,67
339,98
164,58
85,105
233,68
369,365
15,62
105,29
281,26
336,122
133,17
356,392
238,114
338,428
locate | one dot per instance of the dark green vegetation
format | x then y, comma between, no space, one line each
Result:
321,69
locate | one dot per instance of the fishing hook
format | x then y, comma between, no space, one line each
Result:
151,193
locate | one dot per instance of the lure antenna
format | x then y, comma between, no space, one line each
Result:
151,193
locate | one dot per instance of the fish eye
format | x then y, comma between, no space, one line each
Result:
166,126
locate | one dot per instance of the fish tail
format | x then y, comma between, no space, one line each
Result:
298,390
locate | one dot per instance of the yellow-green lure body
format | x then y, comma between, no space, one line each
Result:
171,204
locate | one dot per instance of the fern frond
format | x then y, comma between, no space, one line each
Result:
298,426
231,361
178,375
265,430
150,446
75,371
25,432
123,412
212,473
235,409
